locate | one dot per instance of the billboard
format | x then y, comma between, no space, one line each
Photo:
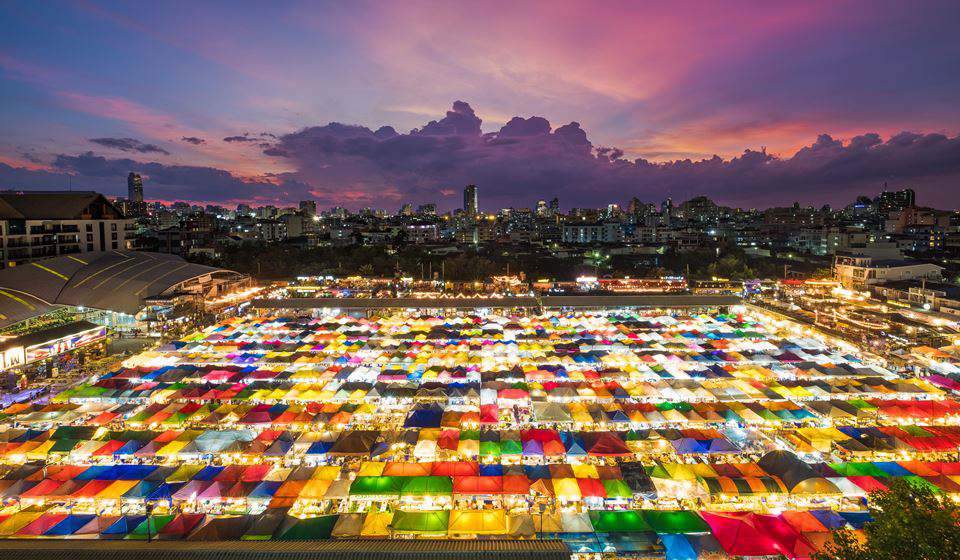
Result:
52,348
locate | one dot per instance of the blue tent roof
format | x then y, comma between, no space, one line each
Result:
536,472
678,547
491,470
124,525
265,489
892,469
319,447
130,447
165,491
424,418
142,489
70,525
208,473
830,519
96,472
857,519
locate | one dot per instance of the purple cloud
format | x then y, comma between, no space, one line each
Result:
247,137
129,145
174,182
525,160
193,140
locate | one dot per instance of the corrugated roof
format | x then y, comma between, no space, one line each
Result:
121,281
16,306
113,280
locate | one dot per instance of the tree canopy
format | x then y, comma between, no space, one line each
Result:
910,522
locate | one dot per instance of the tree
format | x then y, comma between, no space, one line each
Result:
910,522
731,267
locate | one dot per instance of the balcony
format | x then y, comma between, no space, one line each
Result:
50,229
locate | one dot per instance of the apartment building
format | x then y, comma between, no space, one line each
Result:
38,225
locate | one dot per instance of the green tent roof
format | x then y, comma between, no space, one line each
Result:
310,528
490,448
155,523
617,488
427,486
676,521
421,521
64,445
858,469
511,447
376,485
618,521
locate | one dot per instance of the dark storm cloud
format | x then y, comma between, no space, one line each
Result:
247,137
193,140
129,145
528,160
32,158
169,182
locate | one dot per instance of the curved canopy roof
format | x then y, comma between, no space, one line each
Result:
118,281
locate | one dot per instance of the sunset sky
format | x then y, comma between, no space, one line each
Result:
380,103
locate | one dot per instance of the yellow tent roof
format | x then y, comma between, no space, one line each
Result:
585,471
172,448
116,489
326,473
314,489
18,521
478,522
566,488
371,468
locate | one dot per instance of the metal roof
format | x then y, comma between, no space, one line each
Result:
16,306
346,549
113,280
56,205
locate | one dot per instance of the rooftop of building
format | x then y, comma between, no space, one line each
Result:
117,281
951,291
56,205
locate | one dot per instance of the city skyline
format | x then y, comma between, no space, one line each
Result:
228,106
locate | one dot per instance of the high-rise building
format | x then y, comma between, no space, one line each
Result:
470,205
135,194
894,201
134,187
542,208
308,207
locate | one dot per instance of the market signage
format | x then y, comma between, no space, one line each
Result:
52,348
11,358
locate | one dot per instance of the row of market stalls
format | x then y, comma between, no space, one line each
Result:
205,487
643,433
212,412
674,533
